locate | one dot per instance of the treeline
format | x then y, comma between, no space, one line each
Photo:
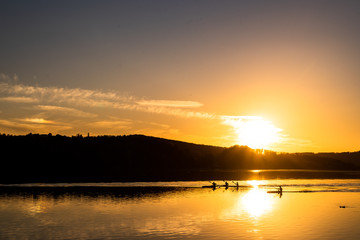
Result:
48,158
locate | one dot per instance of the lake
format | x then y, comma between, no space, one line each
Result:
307,209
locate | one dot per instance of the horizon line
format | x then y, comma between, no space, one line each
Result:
126,135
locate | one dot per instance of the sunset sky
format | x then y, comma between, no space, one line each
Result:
280,75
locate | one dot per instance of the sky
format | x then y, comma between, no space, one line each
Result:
279,75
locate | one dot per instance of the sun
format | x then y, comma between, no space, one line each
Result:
254,132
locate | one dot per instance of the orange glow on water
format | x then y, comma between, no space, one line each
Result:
256,202
191,213
255,183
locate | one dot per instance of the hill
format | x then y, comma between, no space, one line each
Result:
47,158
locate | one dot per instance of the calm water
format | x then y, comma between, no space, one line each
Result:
307,209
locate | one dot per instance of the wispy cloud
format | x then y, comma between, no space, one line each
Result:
112,124
6,77
179,112
19,99
76,97
67,111
14,125
32,125
231,119
170,103
38,120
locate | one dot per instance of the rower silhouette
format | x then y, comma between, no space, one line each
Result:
280,191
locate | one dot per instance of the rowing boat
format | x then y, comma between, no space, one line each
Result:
274,191
300,191
210,186
222,186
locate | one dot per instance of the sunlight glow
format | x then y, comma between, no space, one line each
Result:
255,183
254,132
37,120
38,206
256,202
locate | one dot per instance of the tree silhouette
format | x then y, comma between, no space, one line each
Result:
48,158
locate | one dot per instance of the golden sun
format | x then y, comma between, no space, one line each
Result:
254,132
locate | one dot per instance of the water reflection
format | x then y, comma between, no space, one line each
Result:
35,206
251,203
256,183
256,202
178,213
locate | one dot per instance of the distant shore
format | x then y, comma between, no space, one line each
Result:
48,158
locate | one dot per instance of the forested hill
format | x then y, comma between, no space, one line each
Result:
47,158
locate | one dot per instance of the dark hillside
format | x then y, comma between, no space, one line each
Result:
47,158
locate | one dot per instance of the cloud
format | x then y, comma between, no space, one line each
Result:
67,111
112,124
32,125
179,112
19,99
38,120
76,97
229,119
170,103
9,78
7,124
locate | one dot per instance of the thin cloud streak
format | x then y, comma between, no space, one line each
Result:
97,99
30,125
67,111
112,124
239,118
38,120
19,99
170,103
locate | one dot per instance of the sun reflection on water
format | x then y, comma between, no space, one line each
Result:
256,201
256,183
252,204
37,206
